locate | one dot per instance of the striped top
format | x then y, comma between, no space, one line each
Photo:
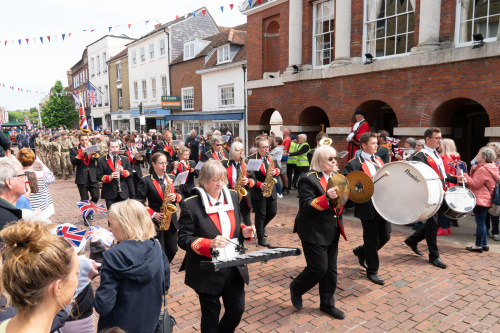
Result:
43,200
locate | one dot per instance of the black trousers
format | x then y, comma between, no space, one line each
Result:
109,202
90,187
265,210
428,232
136,181
245,211
233,296
321,268
292,168
168,240
376,233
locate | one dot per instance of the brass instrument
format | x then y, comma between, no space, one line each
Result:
325,142
340,183
167,208
269,181
361,186
239,186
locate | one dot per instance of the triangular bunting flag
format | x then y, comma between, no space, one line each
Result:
129,25
222,9
41,39
63,35
250,3
147,22
176,18
69,35
33,40
194,14
231,6
55,38
27,41
48,37
5,44
259,1
109,29
203,11
19,42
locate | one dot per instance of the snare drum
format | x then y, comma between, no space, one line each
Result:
460,201
411,192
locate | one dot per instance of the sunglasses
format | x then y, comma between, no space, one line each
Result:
331,159
218,145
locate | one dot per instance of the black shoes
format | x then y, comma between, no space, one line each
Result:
264,242
414,248
296,299
333,311
486,248
438,263
361,257
375,279
479,250
285,191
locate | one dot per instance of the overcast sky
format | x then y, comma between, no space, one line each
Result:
37,67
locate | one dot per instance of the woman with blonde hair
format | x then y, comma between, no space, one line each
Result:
133,272
39,274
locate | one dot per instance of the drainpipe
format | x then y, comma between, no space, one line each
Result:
245,120
169,72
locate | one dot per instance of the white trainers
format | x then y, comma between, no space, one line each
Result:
496,237
280,196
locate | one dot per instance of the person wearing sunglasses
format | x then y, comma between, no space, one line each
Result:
13,184
430,156
376,230
319,227
217,152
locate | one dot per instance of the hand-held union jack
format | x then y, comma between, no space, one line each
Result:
87,207
72,234
104,235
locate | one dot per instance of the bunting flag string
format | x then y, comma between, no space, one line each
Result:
54,38
36,92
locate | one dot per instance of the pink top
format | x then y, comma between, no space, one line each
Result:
482,183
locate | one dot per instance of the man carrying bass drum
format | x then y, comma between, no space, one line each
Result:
376,230
431,157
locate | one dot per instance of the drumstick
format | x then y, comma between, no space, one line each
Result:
238,246
387,173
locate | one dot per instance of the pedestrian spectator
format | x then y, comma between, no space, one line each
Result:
482,181
193,143
133,272
418,147
12,185
493,225
383,147
40,275
42,199
275,144
4,145
409,145
24,200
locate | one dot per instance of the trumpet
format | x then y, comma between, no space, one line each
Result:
325,142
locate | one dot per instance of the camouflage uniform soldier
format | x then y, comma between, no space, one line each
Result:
46,151
66,166
103,145
56,155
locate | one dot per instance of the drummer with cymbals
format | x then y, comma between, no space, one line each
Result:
431,157
376,230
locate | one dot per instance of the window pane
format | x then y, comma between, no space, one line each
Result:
380,8
401,6
402,24
391,26
466,32
410,41
319,10
411,21
391,7
390,45
401,44
494,7
380,48
493,26
381,28
480,26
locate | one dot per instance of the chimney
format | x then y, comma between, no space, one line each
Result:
158,25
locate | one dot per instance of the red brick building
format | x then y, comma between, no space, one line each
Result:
78,76
425,73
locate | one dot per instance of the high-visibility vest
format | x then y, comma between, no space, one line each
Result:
293,149
302,160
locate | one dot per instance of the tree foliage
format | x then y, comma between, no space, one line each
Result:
18,116
59,110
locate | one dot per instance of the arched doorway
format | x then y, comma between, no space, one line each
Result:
468,120
315,120
379,115
276,123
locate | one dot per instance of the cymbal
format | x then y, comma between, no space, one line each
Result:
342,185
361,186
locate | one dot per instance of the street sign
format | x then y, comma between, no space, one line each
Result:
171,102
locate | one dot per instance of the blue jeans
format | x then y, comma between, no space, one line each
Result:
480,216
278,184
494,223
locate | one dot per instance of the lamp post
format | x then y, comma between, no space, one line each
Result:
141,113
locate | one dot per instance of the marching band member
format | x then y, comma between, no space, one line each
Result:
134,159
376,230
184,165
359,128
110,176
165,146
208,221
216,152
233,167
319,227
431,157
265,208
152,187
85,176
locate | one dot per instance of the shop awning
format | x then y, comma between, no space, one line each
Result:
151,112
207,115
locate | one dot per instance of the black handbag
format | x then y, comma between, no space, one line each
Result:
166,322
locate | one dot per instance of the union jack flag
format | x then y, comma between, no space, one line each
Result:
92,94
84,127
458,165
26,120
399,150
73,235
87,207
392,141
105,235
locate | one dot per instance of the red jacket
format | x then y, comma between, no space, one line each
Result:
450,169
482,182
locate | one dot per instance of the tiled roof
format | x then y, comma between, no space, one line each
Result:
119,55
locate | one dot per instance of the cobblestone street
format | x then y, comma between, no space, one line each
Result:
417,297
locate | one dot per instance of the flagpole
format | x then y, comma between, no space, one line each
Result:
39,117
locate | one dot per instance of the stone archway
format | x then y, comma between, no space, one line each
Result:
313,120
379,115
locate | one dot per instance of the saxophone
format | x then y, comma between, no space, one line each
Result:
270,181
239,186
167,208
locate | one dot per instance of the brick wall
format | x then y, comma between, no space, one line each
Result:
184,75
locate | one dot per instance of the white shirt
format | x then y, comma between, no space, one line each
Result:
371,166
225,222
327,177
435,155
354,128
235,173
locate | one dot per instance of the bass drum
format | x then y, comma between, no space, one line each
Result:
411,192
